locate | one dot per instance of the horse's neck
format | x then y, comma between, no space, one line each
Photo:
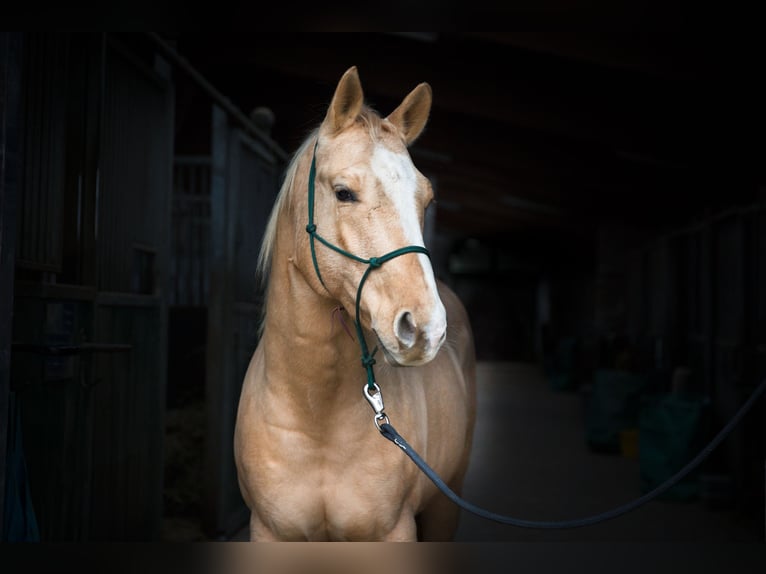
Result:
307,350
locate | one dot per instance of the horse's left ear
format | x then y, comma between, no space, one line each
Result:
346,103
412,114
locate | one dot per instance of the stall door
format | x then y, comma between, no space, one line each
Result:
244,184
132,245
89,314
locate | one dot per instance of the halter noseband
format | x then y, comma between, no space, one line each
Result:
372,263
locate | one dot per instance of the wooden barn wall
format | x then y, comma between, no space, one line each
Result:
738,347
126,473
728,342
57,405
133,237
132,224
40,225
257,181
755,426
10,89
757,293
93,414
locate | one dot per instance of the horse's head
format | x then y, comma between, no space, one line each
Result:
370,199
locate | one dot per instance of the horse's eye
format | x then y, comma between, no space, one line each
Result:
345,195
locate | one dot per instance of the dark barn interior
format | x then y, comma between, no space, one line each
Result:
600,210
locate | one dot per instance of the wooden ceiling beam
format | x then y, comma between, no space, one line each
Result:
490,81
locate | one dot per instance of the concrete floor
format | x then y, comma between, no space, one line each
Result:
530,460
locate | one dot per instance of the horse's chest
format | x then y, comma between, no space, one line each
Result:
321,496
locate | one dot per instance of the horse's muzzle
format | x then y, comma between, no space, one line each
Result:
414,344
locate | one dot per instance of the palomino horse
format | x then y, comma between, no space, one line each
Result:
310,462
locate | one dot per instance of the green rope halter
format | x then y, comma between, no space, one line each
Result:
368,359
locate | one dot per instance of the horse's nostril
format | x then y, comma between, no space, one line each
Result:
405,329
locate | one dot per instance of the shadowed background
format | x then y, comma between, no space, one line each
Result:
600,211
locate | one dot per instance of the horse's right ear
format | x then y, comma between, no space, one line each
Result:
346,103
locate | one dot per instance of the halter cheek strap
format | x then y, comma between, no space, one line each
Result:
372,263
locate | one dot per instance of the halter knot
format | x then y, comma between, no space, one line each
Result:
374,262
368,361
311,228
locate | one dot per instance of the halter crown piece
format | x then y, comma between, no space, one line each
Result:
368,359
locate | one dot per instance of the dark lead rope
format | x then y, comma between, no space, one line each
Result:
374,397
390,433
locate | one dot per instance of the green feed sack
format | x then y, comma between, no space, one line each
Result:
671,433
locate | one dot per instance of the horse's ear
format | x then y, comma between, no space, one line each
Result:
346,102
412,114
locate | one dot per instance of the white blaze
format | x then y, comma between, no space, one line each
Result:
399,178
